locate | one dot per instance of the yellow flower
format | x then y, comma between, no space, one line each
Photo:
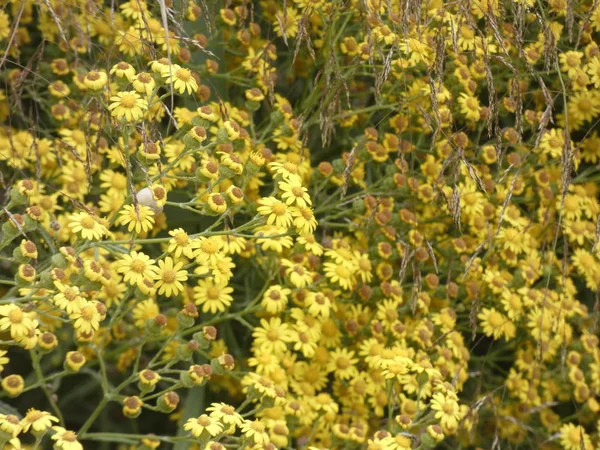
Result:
37,421
342,363
123,70
19,322
86,318
213,297
148,378
254,95
180,244
275,299
225,413
181,79
277,212
208,250
88,226
217,203
340,274
304,219
132,406
574,437
75,361
135,9
169,277
59,89
139,219
3,359
272,335
13,385
136,267
310,243
128,106
144,311
143,83
293,192
298,275
256,431
496,324
446,410
95,80
469,106
274,238
513,239
286,22
204,424
318,304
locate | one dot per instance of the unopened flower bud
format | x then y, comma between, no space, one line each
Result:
168,402
132,406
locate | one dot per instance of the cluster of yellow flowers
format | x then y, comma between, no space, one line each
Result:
299,227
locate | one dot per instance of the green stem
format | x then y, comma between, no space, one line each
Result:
35,361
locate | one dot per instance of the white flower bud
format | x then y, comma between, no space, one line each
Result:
146,198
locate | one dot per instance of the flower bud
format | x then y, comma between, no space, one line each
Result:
185,351
13,385
168,402
74,361
148,380
132,406
156,325
47,341
185,317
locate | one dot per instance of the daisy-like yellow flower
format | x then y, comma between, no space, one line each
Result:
446,410
341,274
275,299
16,320
255,430
209,426
277,212
169,277
65,439
181,244
87,318
68,298
574,437
138,219
496,324
87,226
310,243
469,106
144,311
304,219
225,413
37,421
208,250
143,83
128,106
293,192
272,335
342,363
213,297
123,70
135,267
181,78
134,9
